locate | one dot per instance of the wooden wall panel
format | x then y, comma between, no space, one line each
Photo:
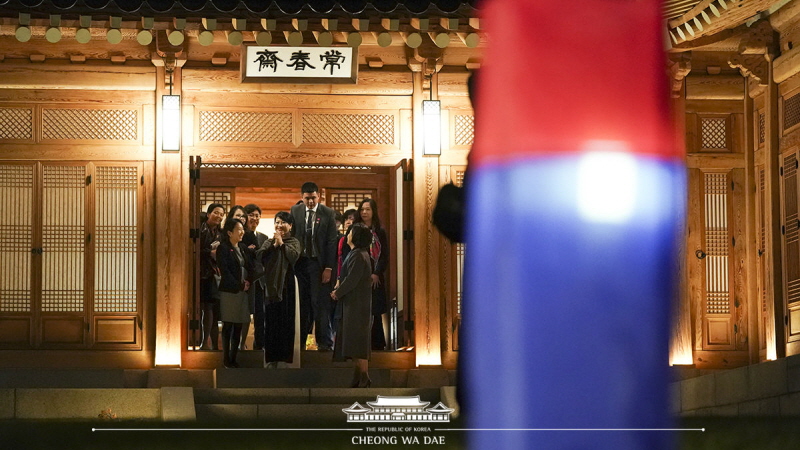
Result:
714,87
105,77
15,332
114,330
375,82
63,330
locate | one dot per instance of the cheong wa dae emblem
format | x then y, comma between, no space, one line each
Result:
395,409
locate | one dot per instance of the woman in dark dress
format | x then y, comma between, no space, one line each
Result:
210,237
278,256
379,252
234,265
354,296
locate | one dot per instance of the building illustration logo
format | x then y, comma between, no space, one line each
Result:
398,409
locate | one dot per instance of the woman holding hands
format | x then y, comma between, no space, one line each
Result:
278,255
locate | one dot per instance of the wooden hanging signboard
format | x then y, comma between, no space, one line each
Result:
309,65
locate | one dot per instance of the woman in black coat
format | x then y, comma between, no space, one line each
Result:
379,252
234,264
354,294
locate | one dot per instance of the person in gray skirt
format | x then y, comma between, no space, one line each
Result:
234,265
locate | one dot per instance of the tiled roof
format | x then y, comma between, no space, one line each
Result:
246,8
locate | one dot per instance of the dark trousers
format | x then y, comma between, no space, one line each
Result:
378,338
231,334
315,302
259,303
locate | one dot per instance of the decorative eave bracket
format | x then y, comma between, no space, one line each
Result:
679,66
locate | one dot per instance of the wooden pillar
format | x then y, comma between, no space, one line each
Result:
427,301
751,235
772,220
681,342
171,228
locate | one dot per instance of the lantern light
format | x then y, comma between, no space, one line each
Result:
432,127
170,118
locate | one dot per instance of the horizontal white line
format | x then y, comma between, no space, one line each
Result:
227,429
571,429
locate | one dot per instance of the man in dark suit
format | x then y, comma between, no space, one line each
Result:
256,294
315,228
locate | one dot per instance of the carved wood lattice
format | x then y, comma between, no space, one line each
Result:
714,133
464,130
343,199
716,221
16,123
222,197
791,230
245,126
116,247
90,124
461,251
364,129
63,238
16,232
791,111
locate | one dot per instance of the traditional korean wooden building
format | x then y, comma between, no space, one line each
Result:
100,214
734,83
97,248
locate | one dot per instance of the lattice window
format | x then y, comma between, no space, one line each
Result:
16,123
714,132
716,220
63,238
791,111
461,251
761,128
365,129
464,130
90,124
116,245
16,231
342,200
221,197
242,126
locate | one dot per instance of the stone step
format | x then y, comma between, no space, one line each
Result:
62,378
306,395
296,378
286,406
267,415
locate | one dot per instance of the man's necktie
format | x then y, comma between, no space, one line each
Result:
309,231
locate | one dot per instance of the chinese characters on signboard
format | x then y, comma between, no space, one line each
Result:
322,65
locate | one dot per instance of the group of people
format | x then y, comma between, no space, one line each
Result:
340,276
